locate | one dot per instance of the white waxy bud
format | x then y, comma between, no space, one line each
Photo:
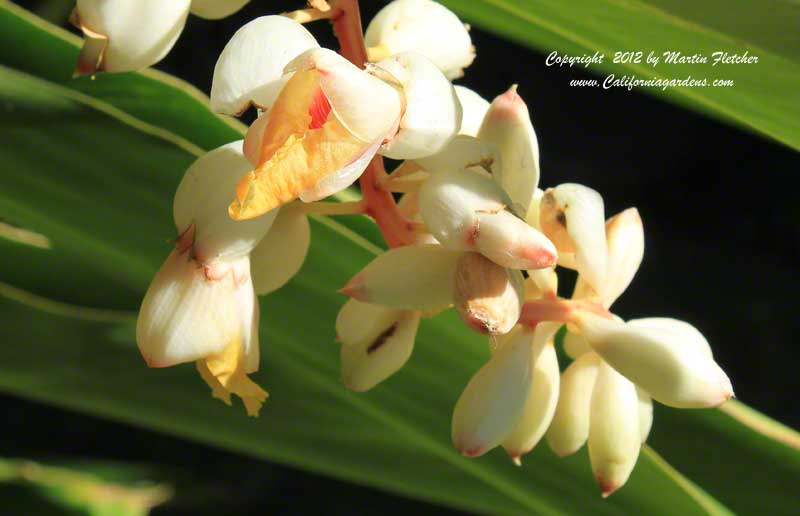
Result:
532,218
250,67
465,210
421,26
432,114
625,240
488,297
575,345
135,34
216,9
494,400
508,125
670,365
412,277
463,152
570,427
645,413
186,316
614,439
540,283
571,215
376,342
202,199
473,109
346,86
689,334
542,394
282,251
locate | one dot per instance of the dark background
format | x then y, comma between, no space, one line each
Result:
720,209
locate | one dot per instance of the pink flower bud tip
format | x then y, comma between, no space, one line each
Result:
507,105
516,460
606,488
472,452
541,257
354,288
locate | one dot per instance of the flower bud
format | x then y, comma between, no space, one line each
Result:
670,365
202,200
473,109
463,152
688,333
432,114
376,342
411,277
614,439
250,67
421,26
508,125
575,345
488,297
320,135
625,241
216,9
540,283
494,400
126,36
571,215
465,210
645,413
570,426
281,253
542,394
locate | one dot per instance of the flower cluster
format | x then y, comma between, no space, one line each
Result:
473,230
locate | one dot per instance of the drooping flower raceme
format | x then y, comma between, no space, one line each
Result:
473,231
128,35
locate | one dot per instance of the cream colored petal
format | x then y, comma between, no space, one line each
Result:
532,218
342,178
510,242
463,152
540,283
494,400
139,33
570,427
216,9
645,414
487,296
346,87
682,330
432,114
250,67
421,26
202,200
376,342
664,363
280,254
571,215
252,145
542,395
411,277
575,345
186,316
508,125
614,439
473,107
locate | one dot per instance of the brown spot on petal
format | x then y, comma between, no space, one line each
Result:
381,339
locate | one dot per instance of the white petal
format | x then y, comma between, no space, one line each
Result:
473,109
342,178
508,125
281,253
614,439
510,242
487,296
421,26
571,215
432,114
376,342
412,277
216,9
139,33
575,345
541,282
186,316
666,364
346,87
645,414
494,400
250,67
463,152
253,140
532,218
687,333
570,426
542,395
202,200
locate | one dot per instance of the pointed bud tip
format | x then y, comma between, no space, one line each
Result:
354,288
541,257
472,452
516,460
606,488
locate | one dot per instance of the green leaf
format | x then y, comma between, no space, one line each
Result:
94,489
768,31
86,214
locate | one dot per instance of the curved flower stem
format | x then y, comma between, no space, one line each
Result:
397,230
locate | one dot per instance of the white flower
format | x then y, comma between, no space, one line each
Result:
421,26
